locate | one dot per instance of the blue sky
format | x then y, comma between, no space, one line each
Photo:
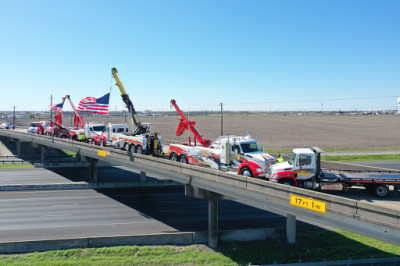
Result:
250,55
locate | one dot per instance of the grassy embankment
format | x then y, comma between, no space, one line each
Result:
316,246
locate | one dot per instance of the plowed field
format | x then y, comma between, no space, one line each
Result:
284,131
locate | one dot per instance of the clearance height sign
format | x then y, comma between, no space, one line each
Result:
308,203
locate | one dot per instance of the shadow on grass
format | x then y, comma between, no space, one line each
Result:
312,246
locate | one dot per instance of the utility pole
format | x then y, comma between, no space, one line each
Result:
14,116
222,121
51,103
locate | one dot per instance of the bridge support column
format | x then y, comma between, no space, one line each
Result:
18,144
291,228
93,170
212,198
143,177
213,221
43,152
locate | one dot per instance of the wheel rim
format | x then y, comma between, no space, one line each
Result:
381,191
132,149
139,150
174,158
127,146
183,160
246,172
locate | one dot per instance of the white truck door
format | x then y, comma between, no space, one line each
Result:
305,165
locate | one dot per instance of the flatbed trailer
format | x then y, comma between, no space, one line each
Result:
304,170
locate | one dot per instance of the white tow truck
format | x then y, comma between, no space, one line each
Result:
229,153
304,170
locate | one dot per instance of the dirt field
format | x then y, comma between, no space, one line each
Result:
280,131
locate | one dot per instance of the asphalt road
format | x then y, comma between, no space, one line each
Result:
88,213
38,215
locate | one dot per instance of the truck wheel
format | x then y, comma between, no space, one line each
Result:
139,150
132,148
381,190
126,146
173,157
286,181
246,172
183,159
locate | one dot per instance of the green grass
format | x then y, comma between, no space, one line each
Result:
361,158
15,166
313,245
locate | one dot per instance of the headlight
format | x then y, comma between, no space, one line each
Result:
259,170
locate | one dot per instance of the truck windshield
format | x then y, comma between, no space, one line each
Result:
291,161
99,128
249,147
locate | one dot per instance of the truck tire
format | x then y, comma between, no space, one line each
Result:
183,159
246,172
173,157
286,181
126,146
139,149
381,190
132,149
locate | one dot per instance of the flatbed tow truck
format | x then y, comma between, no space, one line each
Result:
304,170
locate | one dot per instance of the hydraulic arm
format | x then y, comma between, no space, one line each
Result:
140,129
78,120
184,124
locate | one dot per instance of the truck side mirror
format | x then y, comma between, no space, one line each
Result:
236,152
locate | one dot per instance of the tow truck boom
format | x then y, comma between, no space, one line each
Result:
78,120
184,124
140,129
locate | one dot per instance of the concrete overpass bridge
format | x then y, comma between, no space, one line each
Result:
352,215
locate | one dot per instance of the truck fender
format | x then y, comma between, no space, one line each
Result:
287,175
252,166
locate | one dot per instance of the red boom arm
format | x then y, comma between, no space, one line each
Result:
184,124
78,120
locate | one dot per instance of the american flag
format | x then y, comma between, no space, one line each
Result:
93,105
56,107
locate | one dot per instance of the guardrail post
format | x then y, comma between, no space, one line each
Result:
291,228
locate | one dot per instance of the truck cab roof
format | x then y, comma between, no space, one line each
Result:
302,150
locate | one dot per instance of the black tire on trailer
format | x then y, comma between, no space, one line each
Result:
173,157
183,159
139,149
286,181
246,172
381,190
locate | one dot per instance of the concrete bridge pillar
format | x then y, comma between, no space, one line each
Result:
291,228
143,176
18,144
93,170
212,198
43,152
213,221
